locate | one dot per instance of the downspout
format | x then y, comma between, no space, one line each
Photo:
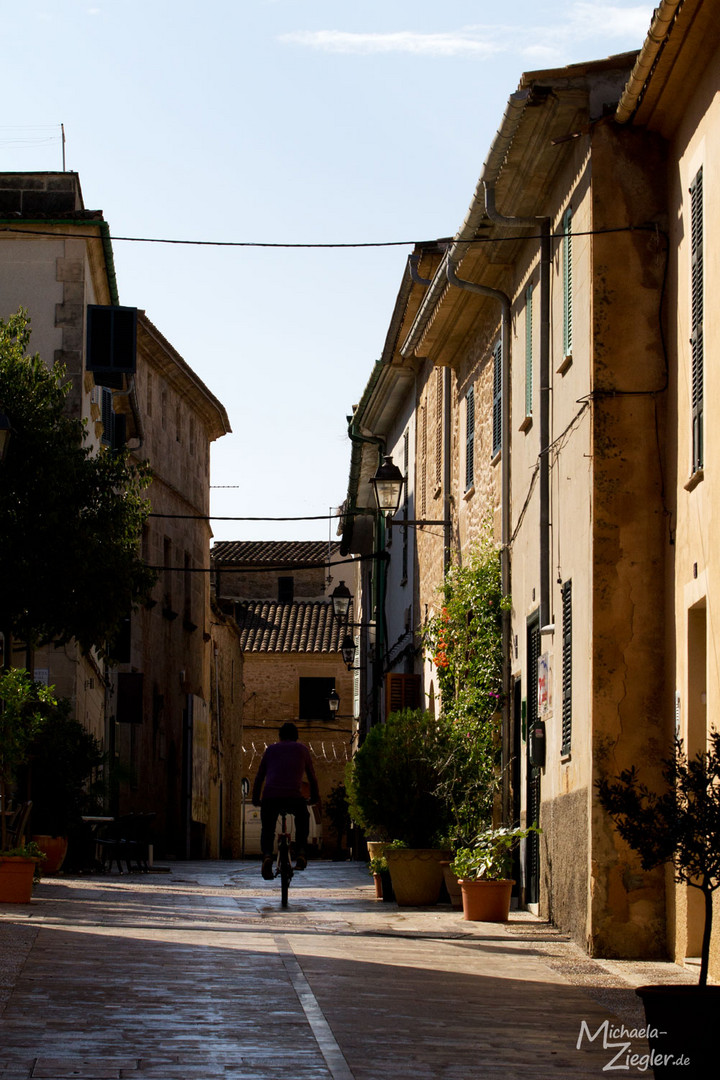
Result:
488,179
413,261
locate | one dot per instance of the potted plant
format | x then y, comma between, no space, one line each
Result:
679,825
483,870
23,710
62,758
378,869
391,784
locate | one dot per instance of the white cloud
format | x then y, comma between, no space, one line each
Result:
473,41
585,21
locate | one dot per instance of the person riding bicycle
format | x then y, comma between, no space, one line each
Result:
283,767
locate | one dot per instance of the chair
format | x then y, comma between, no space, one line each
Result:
15,829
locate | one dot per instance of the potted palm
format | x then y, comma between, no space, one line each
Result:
679,825
392,783
23,710
483,870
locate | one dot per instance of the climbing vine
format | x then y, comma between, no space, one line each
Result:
465,644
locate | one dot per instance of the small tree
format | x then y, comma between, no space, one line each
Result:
392,781
24,709
71,519
679,825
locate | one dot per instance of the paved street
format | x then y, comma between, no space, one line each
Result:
198,972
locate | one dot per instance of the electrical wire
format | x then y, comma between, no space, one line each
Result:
312,244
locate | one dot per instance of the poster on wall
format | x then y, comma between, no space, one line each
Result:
544,697
200,759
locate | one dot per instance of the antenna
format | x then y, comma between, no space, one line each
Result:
62,134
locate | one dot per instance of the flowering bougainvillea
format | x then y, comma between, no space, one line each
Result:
464,641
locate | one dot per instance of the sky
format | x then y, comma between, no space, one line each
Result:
279,122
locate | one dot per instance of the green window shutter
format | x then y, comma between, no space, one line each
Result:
567,283
697,305
528,350
470,438
566,667
497,399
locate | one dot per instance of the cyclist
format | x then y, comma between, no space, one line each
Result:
283,768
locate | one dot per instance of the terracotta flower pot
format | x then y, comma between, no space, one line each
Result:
16,879
452,885
486,901
416,874
55,848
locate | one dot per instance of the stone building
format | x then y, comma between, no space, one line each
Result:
162,724
673,98
154,713
554,397
278,595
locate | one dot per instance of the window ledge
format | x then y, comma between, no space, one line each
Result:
565,364
469,493
526,424
494,460
566,757
695,479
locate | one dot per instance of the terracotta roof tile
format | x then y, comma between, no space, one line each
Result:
272,552
267,626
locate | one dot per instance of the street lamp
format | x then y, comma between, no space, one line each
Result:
387,484
341,597
333,701
348,651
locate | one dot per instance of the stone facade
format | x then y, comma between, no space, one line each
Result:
609,641
278,597
152,712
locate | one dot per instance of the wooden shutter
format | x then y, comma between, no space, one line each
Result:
129,708
111,343
470,438
567,283
697,305
567,667
528,350
497,398
401,692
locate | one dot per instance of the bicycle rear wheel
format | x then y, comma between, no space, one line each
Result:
286,874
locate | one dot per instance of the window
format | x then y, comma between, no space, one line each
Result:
696,337
111,343
497,399
423,462
406,504
529,350
470,438
286,590
314,694
567,282
401,692
438,425
566,667
113,434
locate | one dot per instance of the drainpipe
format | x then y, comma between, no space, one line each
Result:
413,261
488,179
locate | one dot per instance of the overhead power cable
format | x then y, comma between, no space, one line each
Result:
446,241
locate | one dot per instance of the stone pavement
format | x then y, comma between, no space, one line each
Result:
198,973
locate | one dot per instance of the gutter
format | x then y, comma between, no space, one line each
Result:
660,30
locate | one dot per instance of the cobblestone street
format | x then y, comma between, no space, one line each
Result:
198,972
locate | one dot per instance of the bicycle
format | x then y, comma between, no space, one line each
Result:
284,866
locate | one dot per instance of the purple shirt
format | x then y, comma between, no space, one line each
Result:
283,767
